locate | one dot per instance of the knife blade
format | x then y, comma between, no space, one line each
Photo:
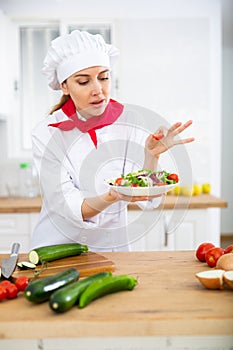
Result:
8,264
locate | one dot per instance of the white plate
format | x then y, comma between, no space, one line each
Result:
142,191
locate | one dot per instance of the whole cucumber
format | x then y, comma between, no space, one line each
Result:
106,285
57,251
40,290
63,299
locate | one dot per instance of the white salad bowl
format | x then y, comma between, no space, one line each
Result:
141,191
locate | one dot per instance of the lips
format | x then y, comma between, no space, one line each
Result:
98,103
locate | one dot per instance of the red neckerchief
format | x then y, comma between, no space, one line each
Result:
110,115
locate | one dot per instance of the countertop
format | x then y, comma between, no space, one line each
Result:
33,205
168,301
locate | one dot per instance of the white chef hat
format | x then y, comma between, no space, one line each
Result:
73,52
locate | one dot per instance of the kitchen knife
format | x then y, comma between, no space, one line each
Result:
8,264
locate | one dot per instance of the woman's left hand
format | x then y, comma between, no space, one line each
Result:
119,196
160,143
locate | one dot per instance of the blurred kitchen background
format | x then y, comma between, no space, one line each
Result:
176,59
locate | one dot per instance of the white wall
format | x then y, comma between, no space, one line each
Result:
227,117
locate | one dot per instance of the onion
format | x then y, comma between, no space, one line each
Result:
211,279
228,278
225,262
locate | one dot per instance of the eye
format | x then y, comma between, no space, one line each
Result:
104,78
83,82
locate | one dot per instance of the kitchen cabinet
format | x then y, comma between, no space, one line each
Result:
179,223
170,232
16,227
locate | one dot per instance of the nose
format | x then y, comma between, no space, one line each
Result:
96,88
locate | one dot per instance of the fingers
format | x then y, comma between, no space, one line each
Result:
188,140
177,128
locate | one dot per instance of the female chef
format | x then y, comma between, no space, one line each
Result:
87,139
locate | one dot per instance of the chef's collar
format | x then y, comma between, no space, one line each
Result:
110,115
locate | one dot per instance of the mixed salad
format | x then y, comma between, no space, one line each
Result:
146,178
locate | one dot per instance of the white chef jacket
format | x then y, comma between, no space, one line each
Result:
71,168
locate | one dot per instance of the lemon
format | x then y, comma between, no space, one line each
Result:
187,190
206,188
177,190
197,189
169,193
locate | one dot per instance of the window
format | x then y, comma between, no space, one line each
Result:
33,99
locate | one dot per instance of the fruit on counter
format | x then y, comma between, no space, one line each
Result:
177,190
106,285
21,283
228,278
228,249
202,250
206,188
192,190
197,189
187,190
40,290
11,290
3,293
212,256
64,298
225,262
55,252
211,279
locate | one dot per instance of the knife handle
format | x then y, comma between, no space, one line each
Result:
15,249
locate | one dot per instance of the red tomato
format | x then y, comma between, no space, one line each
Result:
135,185
3,293
118,181
21,283
5,283
228,249
12,291
173,177
202,250
213,255
158,137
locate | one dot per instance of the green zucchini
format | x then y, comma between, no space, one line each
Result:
106,285
40,290
63,299
24,265
55,252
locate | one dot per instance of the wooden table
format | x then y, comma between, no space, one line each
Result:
167,309
33,205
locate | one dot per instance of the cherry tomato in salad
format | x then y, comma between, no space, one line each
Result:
118,181
21,283
158,137
135,185
173,177
3,293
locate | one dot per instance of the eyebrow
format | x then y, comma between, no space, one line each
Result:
87,75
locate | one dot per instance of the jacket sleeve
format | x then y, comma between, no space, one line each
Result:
61,197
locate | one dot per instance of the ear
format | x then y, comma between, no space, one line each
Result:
64,88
